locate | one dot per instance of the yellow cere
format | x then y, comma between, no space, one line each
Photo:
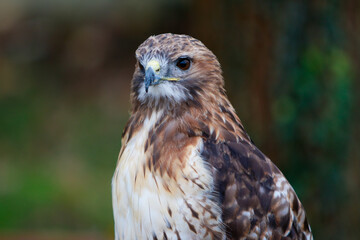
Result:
155,65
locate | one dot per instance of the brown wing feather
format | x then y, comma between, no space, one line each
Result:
256,199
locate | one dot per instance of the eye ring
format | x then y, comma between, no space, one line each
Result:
183,63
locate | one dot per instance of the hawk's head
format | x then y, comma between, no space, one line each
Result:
173,69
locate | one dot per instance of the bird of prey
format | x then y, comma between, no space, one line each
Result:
187,169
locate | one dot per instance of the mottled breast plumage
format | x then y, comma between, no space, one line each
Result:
187,169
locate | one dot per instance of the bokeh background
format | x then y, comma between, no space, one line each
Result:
291,71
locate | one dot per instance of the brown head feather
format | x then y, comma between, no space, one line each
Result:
203,85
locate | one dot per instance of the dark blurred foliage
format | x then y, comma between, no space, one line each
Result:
291,71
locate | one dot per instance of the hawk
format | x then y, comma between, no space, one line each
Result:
187,169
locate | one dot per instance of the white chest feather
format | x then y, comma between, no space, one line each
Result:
148,205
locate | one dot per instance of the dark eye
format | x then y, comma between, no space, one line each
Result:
183,63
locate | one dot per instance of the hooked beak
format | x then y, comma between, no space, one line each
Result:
152,75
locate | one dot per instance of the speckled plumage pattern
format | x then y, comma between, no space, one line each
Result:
187,169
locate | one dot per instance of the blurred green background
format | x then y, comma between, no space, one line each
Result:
291,71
